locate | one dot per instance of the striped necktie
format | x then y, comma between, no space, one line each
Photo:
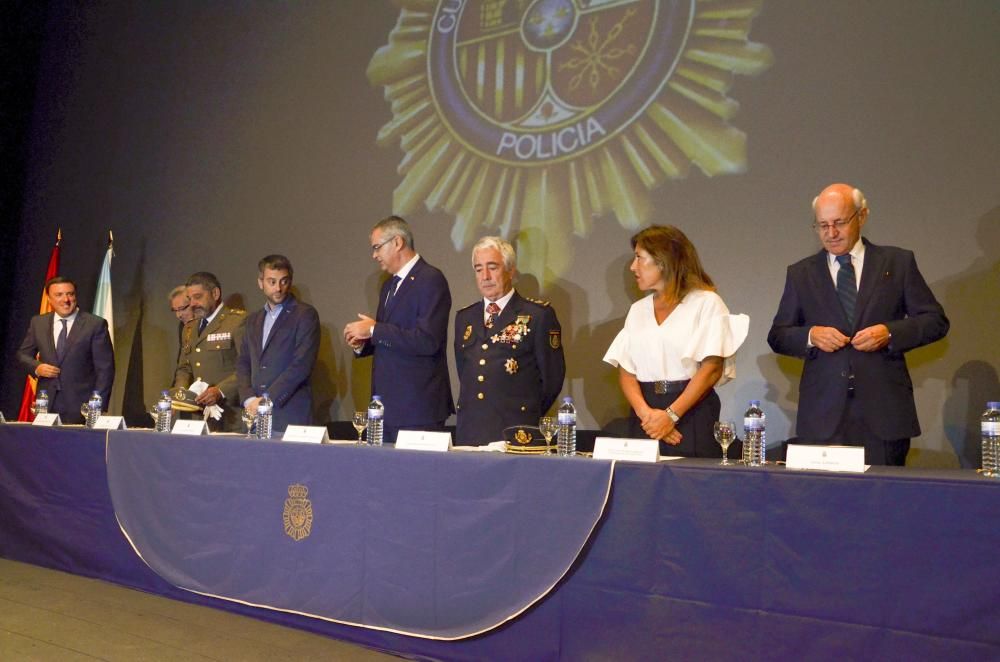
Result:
847,287
493,309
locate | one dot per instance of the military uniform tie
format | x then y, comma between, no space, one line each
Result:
493,309
847,287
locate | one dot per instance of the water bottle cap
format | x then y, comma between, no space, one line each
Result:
97,393
266,395
993,404
755,403
377,397
165,394
567,399
43,392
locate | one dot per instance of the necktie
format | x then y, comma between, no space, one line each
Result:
202,325
847,287
393,284
493,309
61,342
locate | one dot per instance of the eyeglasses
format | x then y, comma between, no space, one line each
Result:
181,309
376,247
824,228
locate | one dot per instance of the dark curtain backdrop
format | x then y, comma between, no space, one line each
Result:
207,134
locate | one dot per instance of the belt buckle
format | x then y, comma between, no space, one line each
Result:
660,387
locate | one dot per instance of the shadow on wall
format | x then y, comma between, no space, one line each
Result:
970,369
325,381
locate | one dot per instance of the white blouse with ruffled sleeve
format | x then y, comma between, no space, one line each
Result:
698,327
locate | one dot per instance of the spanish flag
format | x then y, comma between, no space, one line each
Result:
24,414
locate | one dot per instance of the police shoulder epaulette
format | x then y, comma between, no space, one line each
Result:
471,305
538,301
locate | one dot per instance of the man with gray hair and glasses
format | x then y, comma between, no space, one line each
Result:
408,336
852,311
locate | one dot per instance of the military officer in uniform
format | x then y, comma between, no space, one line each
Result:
508,351
209,347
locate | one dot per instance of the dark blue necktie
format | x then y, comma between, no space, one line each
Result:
847,287
393,284
202,324
61,342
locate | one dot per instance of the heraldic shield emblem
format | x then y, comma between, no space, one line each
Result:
298,514
535,117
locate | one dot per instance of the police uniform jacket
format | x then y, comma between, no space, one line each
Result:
509,374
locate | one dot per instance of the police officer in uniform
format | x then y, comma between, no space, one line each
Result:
508,351
209,347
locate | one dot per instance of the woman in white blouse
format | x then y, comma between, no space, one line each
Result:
677,344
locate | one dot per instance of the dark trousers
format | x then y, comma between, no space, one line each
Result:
852,431
696,426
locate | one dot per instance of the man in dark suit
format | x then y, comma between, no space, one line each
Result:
180,306
852,311
279,349
70,352
409,335
508,351
209,347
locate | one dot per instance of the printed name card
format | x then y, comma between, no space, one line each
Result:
48,420
110,423
313,434
419,440
826,458
190,427
631,450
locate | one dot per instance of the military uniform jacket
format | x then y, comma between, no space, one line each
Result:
211,356
509,374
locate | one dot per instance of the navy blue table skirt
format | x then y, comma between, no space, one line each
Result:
688,560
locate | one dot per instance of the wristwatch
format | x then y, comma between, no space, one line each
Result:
672,414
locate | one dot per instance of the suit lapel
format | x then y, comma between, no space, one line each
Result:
286,312
874,266
47,347
819,272
78,330
404,288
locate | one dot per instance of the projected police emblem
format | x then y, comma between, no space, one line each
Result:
533,117
298,514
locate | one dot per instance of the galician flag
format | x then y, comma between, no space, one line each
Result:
102,300
30,383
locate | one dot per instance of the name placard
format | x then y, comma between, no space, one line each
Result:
110,423
190,427
47,420
826,458
631,450
312,434
420,440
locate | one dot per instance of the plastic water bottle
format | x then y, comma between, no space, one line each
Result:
566,441
164,412
990,424
94,406
376,414
42,402
754,440
265,416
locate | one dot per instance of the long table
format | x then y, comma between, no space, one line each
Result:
688,559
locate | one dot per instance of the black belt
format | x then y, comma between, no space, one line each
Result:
663,387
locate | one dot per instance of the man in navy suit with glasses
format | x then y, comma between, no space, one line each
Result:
851,312
408,336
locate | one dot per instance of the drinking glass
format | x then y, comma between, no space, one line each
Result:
248,421
548,427
725,434
360,422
